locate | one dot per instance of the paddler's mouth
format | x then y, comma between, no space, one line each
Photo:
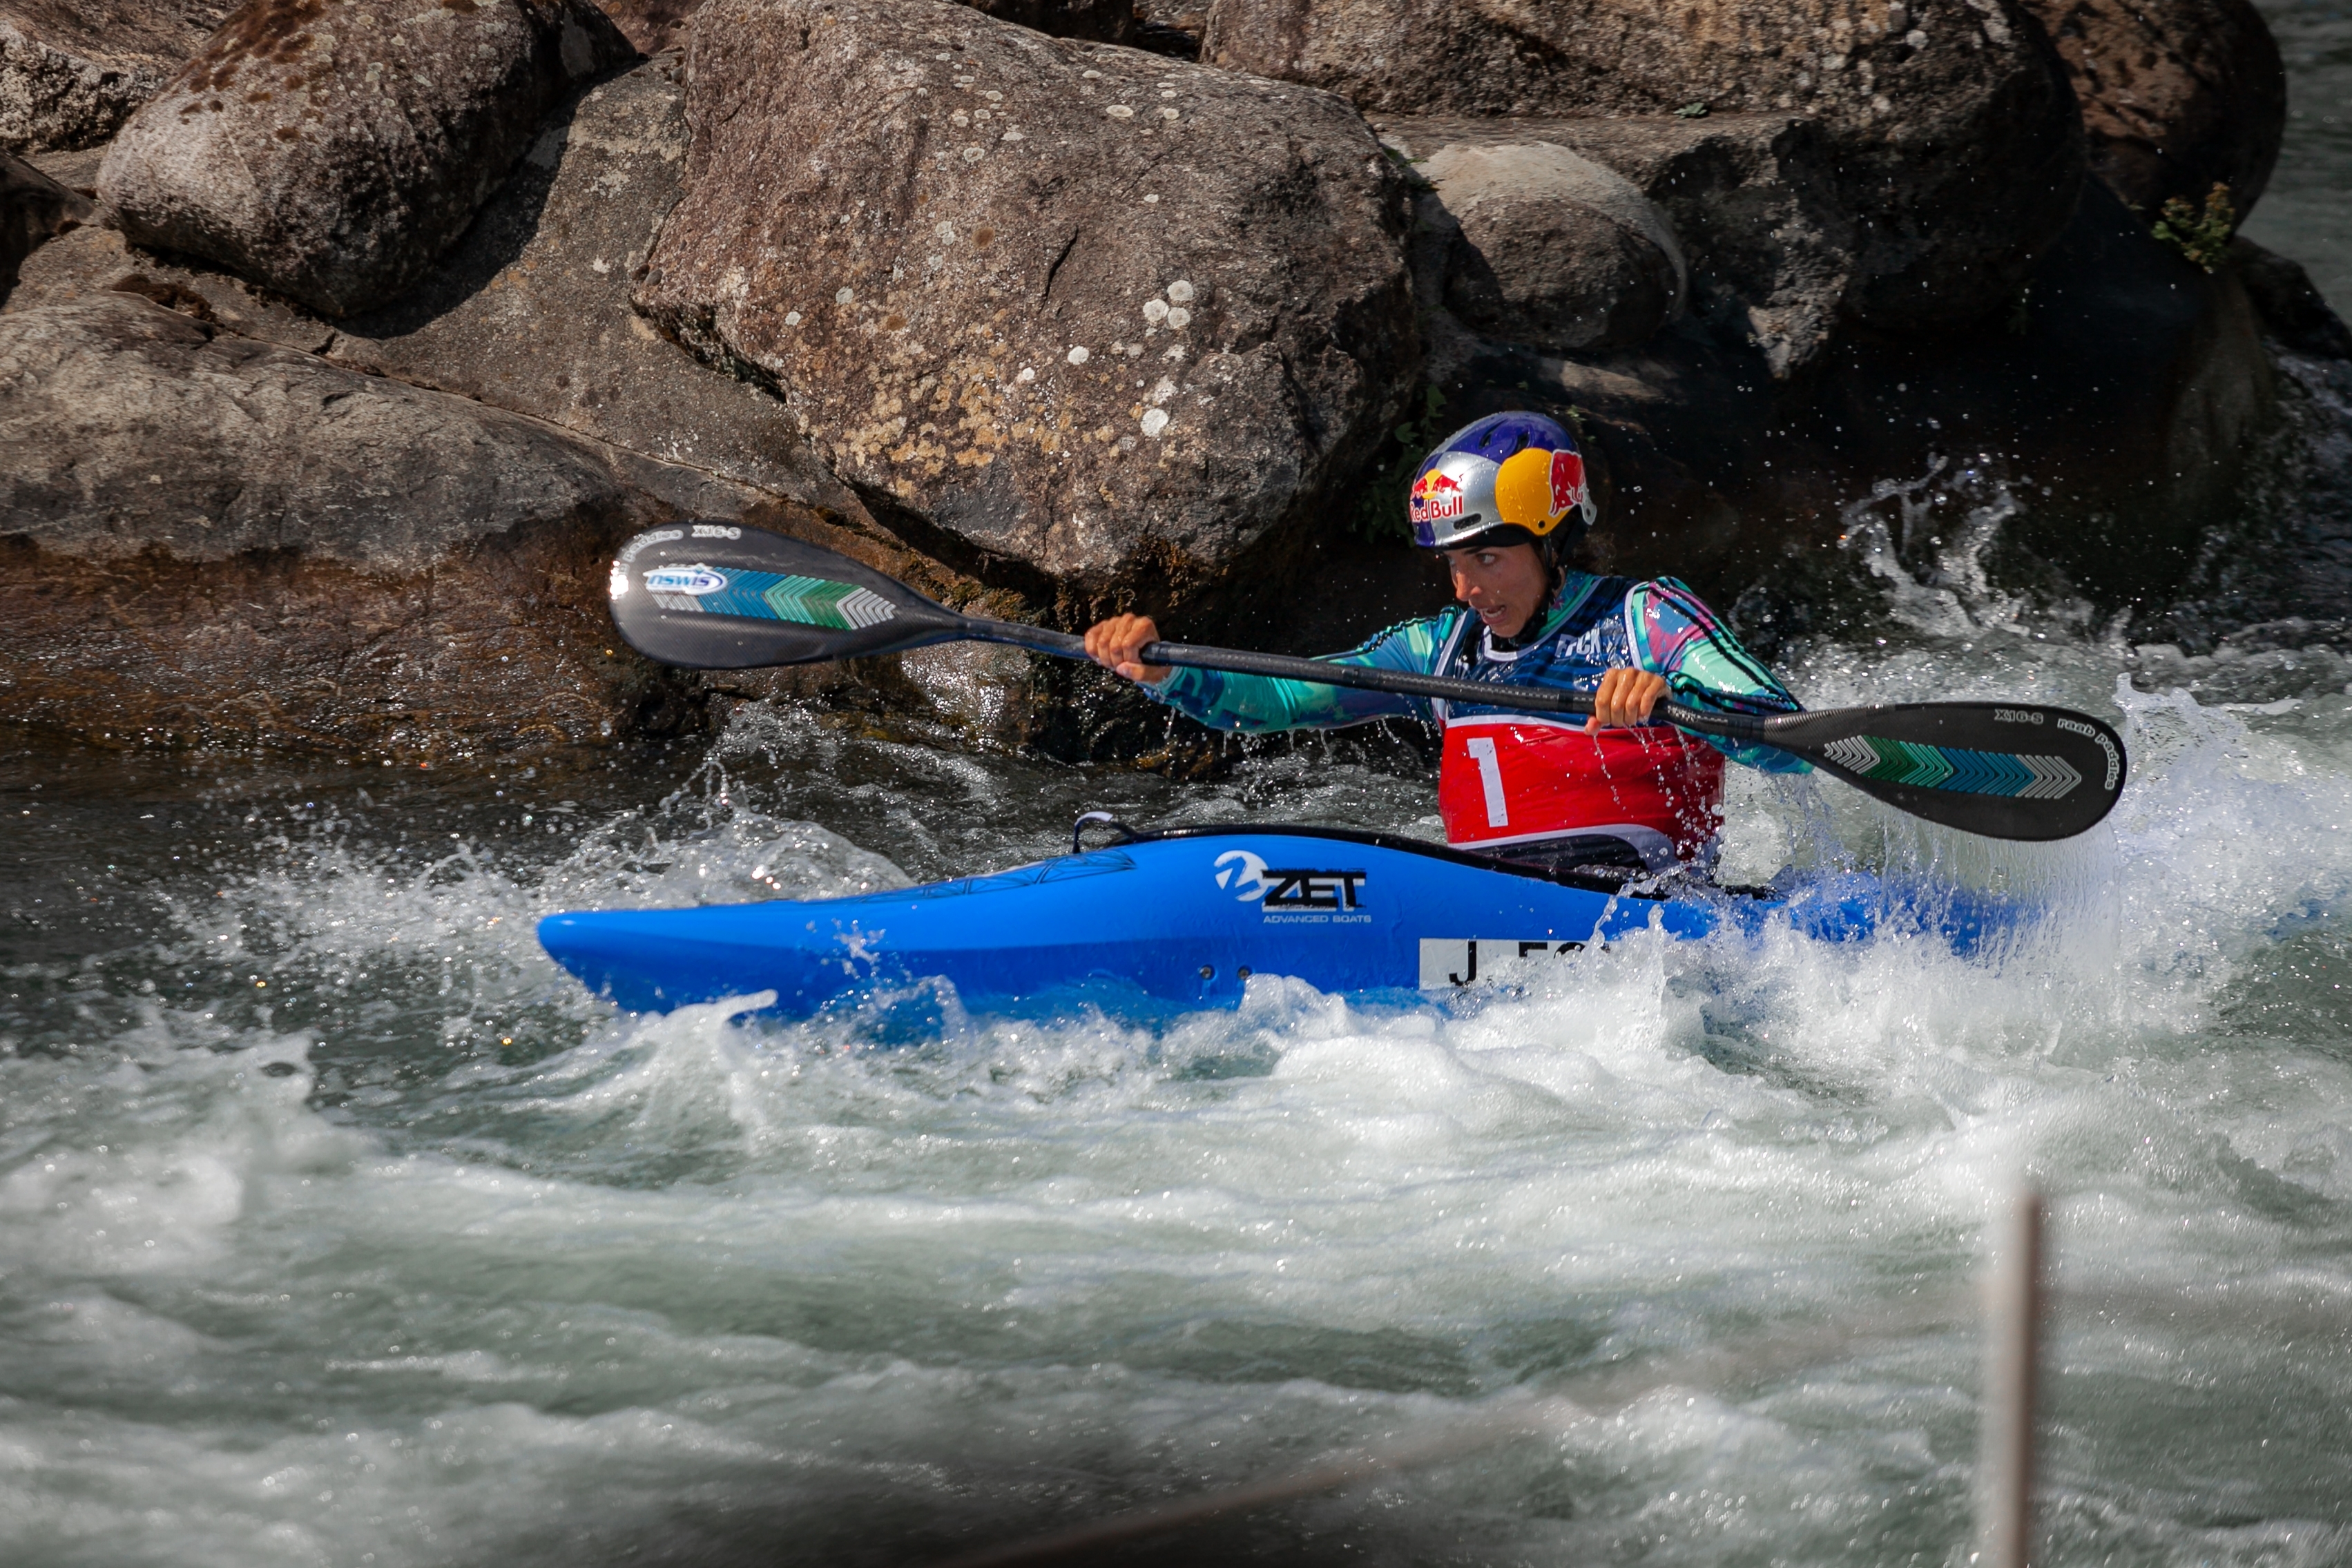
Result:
1498,617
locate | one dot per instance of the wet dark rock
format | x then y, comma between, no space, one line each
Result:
2178,95
331,150
1946,126
1076,318
71,71
2122,412
2292,309
34,210
1547,248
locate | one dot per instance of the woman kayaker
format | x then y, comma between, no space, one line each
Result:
1504,500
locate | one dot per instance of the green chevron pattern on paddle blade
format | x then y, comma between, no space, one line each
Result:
721,596
822,601
2010,773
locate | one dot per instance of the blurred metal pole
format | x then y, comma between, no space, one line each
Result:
2014,1306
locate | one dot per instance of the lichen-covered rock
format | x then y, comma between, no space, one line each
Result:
1076,314
2178,95
71,71
1953,140
34,210
1769,250
1550,249
330,150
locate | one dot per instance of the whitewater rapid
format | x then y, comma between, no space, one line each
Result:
338,1227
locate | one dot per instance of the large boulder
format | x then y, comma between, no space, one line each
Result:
1762,244
1550,249
331,150
1079,318
1947,125
71,71
2177,96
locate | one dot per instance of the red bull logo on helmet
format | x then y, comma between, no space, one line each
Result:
1567,483
1514,469
1436,497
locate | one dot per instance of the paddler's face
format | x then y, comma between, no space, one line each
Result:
1504,585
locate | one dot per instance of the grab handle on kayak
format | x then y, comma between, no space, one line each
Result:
1127,835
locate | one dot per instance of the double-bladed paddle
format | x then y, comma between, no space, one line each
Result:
716,596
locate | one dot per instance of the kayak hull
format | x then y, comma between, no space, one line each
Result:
1181,919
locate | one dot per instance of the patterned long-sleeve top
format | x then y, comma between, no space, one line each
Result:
1594,624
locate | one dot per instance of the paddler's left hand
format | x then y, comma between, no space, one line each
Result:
1624,700
1118,643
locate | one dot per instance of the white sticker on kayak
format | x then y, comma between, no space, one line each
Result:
1447,962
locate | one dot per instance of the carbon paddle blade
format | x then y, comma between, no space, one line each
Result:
2005,771
716,596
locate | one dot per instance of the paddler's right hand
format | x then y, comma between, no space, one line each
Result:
1118,643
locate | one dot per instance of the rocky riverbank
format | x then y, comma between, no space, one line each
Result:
344,337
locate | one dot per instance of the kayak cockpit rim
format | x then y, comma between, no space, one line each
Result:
1426,848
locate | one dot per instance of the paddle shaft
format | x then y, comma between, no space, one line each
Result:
1323,672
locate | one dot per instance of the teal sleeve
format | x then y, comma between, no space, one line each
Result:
1260,704
1676,636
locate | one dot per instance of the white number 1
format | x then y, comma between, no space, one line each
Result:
1490,774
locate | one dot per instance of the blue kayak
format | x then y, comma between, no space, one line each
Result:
1182,918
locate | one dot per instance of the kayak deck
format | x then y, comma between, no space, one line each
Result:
1184,917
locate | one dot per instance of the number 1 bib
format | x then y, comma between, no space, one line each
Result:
1514,780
